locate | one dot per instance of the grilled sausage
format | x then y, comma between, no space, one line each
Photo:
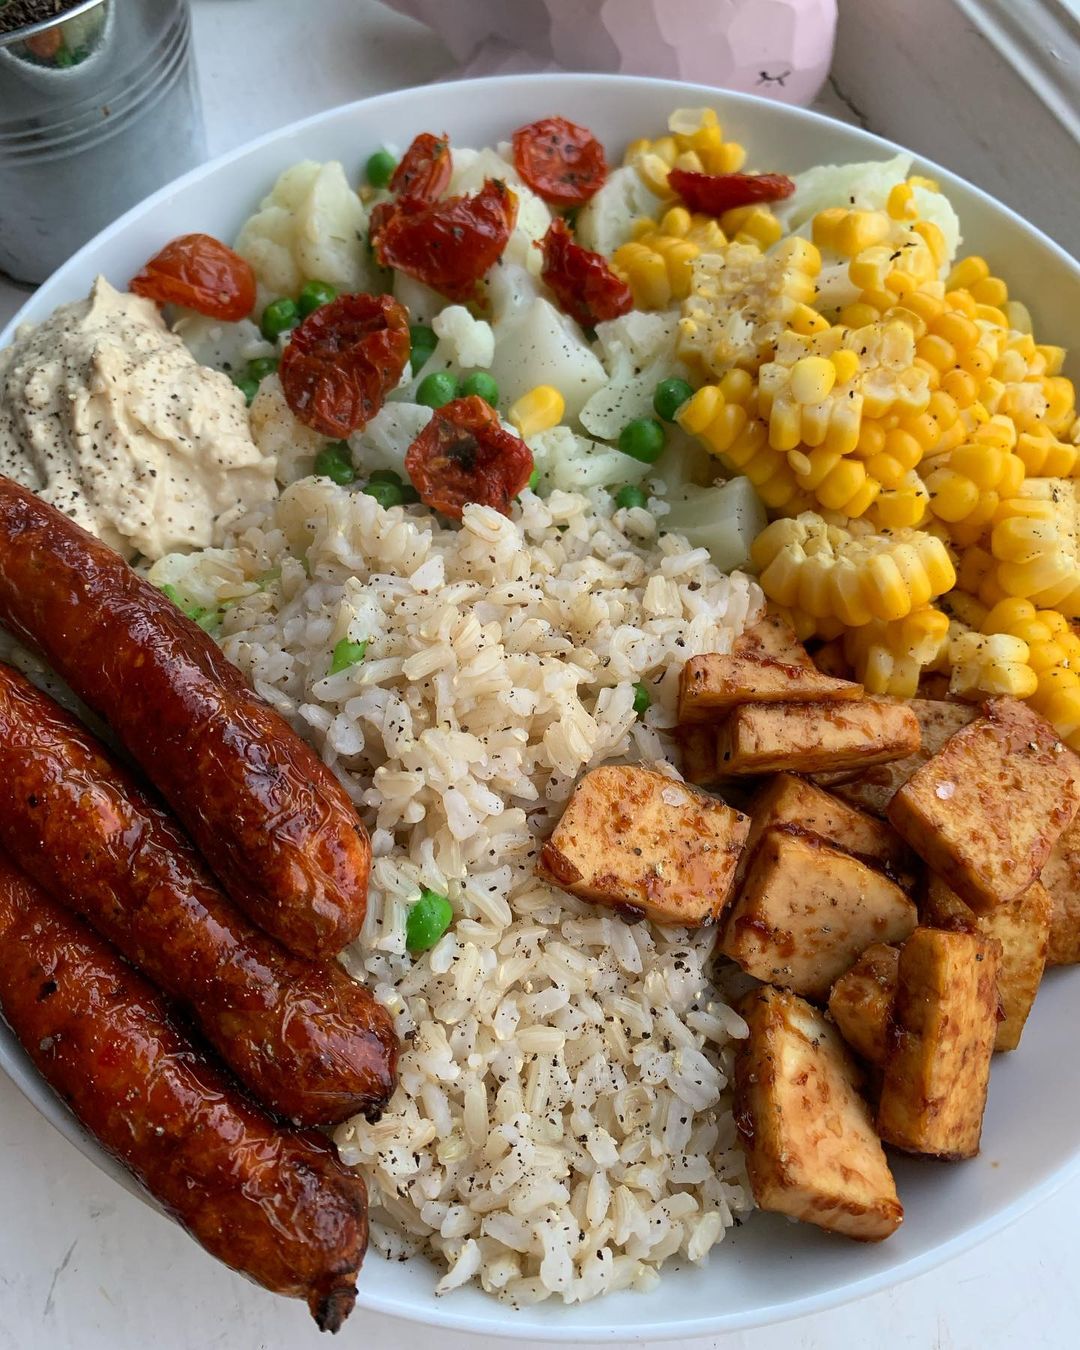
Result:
271,819
273,1203
310,1043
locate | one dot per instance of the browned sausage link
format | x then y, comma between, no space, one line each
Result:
271,819
308,1041
271,1202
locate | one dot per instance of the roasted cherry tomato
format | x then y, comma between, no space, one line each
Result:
560,161
200,273
715,193
586,287
381,214
464,455
424,173
343,360
451,244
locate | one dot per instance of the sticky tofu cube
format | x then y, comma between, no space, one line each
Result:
1061,877
806,911
1022,929
787,800
697,754
647,845
711,685
861,1002
774,638
811,1150
763,738
987,809
875,788
933,1094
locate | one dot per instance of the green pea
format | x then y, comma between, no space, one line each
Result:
427,921
669,397
248,387
481,384
642,439
423,342
279,317
313,295
386,494
346,653
631,495
436,389
380,168
642,699
334,461
261,367
385,476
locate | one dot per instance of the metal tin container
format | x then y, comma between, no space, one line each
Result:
98,107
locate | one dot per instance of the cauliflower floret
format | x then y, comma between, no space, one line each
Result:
310,227
221,345
383,442
421,301
463,340
276,431
639,352
538,345
606,220
573,463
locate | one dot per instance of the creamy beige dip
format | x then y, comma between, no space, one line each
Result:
107,415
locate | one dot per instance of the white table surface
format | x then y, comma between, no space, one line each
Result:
83,1266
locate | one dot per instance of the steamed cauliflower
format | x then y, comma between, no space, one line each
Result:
311,227
605,221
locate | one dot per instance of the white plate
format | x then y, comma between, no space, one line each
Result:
769,1269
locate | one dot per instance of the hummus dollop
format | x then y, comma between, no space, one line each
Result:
107,415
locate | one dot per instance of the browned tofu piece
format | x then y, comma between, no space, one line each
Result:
987,809
813,737
711,685
806,911
647,845
811,1150
1020,926
944,1022
1061,877
873,790
697,754
775,638
861,1002
788,800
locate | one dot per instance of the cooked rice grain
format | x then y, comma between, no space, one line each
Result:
563,1124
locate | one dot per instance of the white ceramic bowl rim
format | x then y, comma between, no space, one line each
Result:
663,1314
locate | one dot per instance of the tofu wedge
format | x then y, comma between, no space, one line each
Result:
647,845
788,800
1061,877
774,638
710,686
806,911
761,738
811,1150
697,754
874,789
861,1002
1020,926
933,1093
988,808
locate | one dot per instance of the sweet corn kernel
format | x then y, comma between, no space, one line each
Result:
857,230
990,290
846,365
813,377
967,273
900,204
807,321
737,385
538,410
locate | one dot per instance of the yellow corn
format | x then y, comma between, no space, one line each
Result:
695,142
995,664
537,410
901,205
825,570
889,658
1036,544
752,225
657,268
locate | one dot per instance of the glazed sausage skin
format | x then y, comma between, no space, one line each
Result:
270,818
270,1202
309,1042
